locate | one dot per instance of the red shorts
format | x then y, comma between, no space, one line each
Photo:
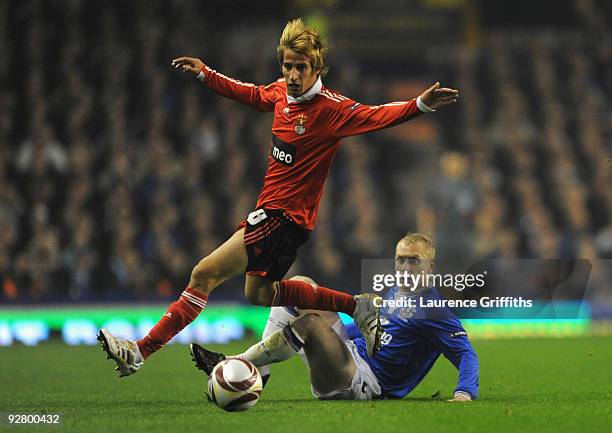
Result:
272,240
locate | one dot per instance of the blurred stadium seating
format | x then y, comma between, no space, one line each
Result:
118,173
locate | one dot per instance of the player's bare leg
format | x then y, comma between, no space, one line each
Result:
227,260
331,365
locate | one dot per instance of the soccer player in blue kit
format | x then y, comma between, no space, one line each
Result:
339,365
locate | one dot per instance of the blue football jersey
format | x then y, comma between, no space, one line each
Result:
411,343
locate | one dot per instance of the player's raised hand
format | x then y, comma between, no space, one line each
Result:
437,97
188,64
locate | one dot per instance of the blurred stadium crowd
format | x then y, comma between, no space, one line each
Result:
117,173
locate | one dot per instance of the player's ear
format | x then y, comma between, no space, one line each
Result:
281,59
313,65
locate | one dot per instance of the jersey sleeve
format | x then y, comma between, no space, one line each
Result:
261,98
452,340
352,118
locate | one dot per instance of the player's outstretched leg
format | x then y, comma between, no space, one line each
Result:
226,261
280,317
307,295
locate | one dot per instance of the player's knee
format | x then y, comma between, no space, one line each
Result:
202,278
308,323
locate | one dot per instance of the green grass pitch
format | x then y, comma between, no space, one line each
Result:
530,385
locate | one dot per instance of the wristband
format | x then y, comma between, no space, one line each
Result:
201,75
424,108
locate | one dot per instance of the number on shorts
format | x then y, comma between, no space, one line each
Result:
364,387
256,217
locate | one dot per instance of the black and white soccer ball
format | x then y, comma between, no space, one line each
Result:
235,385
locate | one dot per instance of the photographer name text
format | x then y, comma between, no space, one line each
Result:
484,302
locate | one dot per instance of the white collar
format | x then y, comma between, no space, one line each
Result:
316,88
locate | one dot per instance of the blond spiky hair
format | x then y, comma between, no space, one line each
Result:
305,40
411,238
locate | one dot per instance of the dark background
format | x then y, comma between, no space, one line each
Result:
118,173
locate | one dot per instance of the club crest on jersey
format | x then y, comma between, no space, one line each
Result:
300,128
406,313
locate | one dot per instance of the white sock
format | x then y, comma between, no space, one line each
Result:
279,346
279,318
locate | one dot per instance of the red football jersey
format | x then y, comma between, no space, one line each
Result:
305,137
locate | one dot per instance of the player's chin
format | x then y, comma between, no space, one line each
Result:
294,92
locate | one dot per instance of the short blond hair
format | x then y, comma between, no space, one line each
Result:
411,238
305,40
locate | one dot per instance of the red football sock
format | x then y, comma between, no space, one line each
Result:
180,314
293,293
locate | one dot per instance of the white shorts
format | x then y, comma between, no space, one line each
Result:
364,385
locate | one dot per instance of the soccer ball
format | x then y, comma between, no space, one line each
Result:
235,385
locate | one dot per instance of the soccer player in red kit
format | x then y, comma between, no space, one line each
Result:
309,121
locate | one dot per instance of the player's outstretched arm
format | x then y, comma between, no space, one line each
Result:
351,118
437,97
452,340
259,97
